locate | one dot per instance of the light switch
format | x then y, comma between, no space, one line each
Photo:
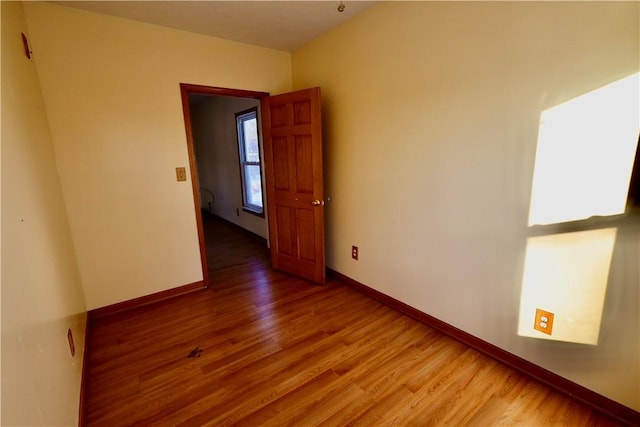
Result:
181,174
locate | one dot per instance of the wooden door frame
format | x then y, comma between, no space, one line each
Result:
187,89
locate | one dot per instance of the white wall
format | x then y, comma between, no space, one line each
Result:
111,89
41,291
216,147
431,115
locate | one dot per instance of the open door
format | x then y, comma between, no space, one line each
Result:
292,133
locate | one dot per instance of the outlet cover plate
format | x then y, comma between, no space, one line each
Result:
544,321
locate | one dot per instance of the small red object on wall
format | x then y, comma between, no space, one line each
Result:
27,51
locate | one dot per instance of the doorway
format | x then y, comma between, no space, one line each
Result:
209,115
292,134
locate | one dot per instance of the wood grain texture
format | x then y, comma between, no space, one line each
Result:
277,350
613,409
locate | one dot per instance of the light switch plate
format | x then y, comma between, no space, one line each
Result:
181,174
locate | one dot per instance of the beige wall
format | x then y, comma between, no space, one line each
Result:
431,116
41,291
111,89
216,147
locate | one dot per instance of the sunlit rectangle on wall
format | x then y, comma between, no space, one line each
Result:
566,274
585,152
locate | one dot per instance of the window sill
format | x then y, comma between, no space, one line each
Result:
254,212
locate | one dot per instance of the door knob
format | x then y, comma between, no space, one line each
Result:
318,202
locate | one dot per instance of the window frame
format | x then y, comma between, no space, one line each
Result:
240,118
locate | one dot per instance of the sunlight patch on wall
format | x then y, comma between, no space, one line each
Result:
566,274
584,161
585,154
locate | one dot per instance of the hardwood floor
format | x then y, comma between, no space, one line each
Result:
229,246
263,348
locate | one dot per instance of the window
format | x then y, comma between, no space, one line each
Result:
250,164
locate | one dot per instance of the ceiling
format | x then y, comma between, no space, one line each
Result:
283,25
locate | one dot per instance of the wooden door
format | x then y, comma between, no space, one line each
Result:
292,133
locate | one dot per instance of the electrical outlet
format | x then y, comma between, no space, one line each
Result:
181,174
354,252
544,321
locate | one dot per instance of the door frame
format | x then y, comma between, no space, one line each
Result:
185,90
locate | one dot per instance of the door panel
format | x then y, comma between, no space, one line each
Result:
285,237
305,223
281,158
292,131
303,158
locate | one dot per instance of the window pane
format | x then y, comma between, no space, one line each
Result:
251,151
254,185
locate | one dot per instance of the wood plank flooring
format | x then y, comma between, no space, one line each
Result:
263,348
